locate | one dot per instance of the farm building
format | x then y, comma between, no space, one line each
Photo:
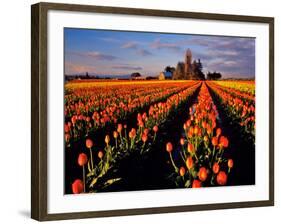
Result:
165,75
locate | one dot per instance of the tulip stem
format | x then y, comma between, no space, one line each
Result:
84,178
142,148
182,157
196,156
154,137
132,142
174,165
92,162
213,154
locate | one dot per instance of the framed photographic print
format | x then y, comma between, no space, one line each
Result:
138,111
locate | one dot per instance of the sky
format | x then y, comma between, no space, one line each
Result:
103,52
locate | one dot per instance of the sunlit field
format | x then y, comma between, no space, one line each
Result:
124,135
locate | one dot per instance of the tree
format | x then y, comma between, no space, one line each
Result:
170,69
135,75
197,68
179,72
213,76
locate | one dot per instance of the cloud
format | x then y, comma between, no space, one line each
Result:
228,55
127,67
130,45
72,68
157,44
94,55
143,52
135,46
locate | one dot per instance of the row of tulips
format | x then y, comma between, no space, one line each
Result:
88,100
236,93
124,142
239,108
88,115
158,112
242,86
200,160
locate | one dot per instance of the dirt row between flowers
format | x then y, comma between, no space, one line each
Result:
138,173
241,147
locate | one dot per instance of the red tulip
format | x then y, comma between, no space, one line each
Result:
119,128
66,128
196,184
77,186
155,128
146,131
223,142
67,137
144,137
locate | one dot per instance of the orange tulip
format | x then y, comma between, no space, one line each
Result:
203,174
169,147
206,139
196,130
190,148
119,128
107,139
230,163
89,143
189,162
182,171
221,178
214,141
82,159
182,141
218,132
100,154
115,134
216,168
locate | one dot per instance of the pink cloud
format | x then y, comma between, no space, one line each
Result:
71,68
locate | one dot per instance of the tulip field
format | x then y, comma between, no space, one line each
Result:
124,135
